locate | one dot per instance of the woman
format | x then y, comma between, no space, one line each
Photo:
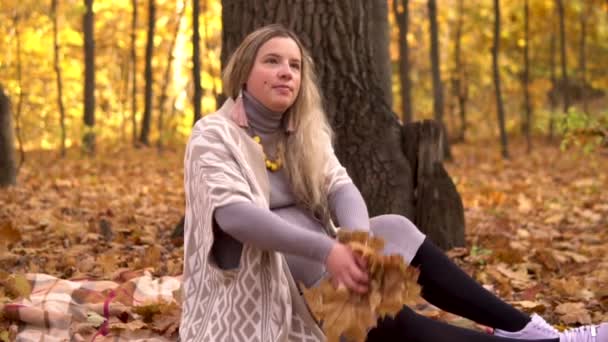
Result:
262,186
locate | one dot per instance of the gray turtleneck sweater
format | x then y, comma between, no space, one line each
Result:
286,227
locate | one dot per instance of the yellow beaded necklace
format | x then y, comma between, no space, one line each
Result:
272,165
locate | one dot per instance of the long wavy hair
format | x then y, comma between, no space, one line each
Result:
306,149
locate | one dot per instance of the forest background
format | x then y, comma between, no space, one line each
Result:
99,157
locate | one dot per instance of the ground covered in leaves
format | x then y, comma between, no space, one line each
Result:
537,224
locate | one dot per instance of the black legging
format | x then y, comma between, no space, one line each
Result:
448,287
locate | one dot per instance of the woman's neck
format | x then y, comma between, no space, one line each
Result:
259,117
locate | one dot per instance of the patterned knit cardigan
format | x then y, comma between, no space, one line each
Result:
257,301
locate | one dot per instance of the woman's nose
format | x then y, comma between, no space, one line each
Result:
285,71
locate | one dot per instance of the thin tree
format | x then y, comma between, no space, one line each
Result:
460,73
583,55
527,122
149,77
21,97
8,167
553,72
564,57
88,141
167,75
57,67
402,15
196,60
495,62
134,70
208,66
436,71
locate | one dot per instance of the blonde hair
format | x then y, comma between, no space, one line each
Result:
306,149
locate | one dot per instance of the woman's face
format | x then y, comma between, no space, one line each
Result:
274,79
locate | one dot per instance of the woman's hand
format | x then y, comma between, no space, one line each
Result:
348,268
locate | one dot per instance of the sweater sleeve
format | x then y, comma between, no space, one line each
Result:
266,230
349,208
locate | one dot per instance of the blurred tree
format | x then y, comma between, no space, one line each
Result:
167,75
401,9
8,169
553,76
564,56
196,60
370,141
436,71
527,121
57,67
134,70
20,84
149,77
459,74
583,53
88,141
495,62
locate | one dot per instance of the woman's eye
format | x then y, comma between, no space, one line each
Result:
296,66
272,60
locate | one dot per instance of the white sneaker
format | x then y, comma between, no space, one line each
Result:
538,329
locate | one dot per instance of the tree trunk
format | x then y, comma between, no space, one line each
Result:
583,56
196,60
57,67
21,97
147,118
134,70
460,83
527,122
8,167
370,141
402,16
499,103
436,70
167,76
88,141
562,39
442,215
553,67
380,30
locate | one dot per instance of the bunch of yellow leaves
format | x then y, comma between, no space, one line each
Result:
392,285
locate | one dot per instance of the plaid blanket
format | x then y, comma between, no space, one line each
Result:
134,306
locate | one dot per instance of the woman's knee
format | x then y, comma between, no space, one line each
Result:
391,222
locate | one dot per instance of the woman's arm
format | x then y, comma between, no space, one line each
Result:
264,229
349,208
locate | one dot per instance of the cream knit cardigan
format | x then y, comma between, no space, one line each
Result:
258,301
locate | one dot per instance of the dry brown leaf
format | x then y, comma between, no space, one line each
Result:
392,285
573,313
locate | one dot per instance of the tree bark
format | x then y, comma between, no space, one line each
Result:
583,56
196,60
134,70
88,141
460,83
8,167
553,72
57,67
149,77
527,123
380,30
436,71
167,76
498,92
564,57
402,16
370,142
21,97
